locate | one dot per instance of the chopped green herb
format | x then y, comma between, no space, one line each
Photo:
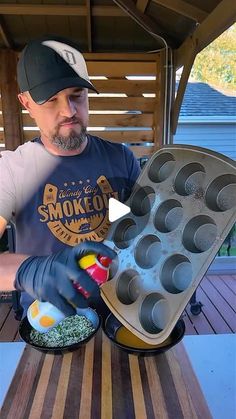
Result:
71,330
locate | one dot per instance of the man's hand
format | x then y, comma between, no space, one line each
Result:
50,278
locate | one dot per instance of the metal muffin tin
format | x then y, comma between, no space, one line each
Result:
182,208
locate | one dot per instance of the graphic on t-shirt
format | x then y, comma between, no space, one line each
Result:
78,211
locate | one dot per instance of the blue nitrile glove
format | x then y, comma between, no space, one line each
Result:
50,278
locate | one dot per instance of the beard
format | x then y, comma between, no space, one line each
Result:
70,142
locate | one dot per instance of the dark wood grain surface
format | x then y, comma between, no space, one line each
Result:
102,381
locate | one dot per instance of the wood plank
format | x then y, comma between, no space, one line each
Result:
227,313
126,120
100,103
86,395
60,398
184,9
17,337
226,292
11,114
124,56
88,25
190,380
146,22
2,138
60,10
5,309
106,382
37,405
24,379
187,67
130,68
230,281
120,136
142,5
121,57
9,328
138,397
212,314
189,326
142,104
131,136
130,87
185,401
201,323
5,35
216,22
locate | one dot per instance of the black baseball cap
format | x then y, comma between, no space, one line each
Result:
50,64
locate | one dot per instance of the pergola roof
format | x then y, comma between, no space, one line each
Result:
116,26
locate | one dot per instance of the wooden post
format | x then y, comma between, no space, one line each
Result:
11,109
188,64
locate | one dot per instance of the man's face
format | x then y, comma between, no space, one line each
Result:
63,119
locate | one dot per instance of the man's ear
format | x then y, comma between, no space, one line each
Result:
25,101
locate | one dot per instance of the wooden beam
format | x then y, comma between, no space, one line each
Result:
142,5
130,87
111,56
127,120
181,88
121,57
142,104
125,68
59,10
221,18
89,28
118,136
4,33
11,108
183,8
153,28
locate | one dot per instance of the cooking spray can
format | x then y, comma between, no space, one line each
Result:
97,266
43,316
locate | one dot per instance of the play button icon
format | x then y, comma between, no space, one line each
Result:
116,209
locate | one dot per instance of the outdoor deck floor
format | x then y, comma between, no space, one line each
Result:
217,293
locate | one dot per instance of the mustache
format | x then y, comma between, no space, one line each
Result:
70,121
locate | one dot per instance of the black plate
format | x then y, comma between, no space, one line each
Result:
25,329
112,324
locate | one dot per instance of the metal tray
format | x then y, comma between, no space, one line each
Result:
182,208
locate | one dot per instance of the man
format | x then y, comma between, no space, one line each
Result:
56,188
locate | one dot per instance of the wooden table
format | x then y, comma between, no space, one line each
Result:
102,381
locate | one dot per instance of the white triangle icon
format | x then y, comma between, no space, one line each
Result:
116,209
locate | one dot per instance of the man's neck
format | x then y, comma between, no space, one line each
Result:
53,149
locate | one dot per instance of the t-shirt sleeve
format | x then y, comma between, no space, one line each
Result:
133,170
133,166
7,189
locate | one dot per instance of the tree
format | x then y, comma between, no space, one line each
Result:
216,64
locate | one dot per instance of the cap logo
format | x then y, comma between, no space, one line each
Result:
69,54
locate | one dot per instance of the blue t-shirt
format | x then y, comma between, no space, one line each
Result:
60,201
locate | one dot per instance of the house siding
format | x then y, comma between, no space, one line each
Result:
217,137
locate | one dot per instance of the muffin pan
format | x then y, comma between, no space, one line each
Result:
183,206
